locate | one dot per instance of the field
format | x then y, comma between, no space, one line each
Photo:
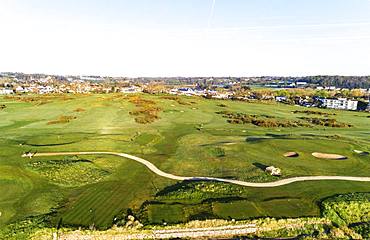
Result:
183,136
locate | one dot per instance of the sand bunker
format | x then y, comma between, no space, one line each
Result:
291,154
229,143
328,156
361,152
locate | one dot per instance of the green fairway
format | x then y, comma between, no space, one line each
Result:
185,137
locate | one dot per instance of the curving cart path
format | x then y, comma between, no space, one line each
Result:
159,172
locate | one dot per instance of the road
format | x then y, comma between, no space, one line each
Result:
159,172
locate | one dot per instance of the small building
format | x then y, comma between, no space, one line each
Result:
301,83
186,91
5,91
281,98
273,171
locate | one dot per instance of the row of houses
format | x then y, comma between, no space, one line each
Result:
29,89
83,87
200,92
67,88
340,103
333,103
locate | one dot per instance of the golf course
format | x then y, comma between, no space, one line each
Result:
90,159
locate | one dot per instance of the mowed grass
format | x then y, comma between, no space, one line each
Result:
187,139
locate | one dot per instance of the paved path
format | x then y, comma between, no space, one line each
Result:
159,172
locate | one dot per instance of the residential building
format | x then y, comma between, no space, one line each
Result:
6,91
340,103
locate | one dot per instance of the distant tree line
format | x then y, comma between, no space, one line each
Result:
326,81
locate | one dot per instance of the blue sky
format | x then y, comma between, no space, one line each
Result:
186,37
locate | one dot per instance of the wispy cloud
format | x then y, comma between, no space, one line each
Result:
292,26
211,13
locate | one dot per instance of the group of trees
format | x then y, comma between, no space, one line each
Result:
350,82
340,81
346,93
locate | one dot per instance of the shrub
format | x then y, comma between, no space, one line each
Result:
327,122
347,209
79,110
309,112
259,120
146,112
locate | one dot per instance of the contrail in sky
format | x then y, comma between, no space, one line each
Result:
211,13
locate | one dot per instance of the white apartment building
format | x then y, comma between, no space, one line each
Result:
5,91
340,103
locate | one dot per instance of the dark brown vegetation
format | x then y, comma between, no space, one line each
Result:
222,105
326,122
62,119
146,110
2,106
260,120
79,110
310,112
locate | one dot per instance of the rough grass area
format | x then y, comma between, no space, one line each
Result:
348,209
68,172
260,120
350,212
205,200
199,190
313,112
327,122
177,99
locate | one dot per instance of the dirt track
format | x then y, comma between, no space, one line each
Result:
159,172
194,233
